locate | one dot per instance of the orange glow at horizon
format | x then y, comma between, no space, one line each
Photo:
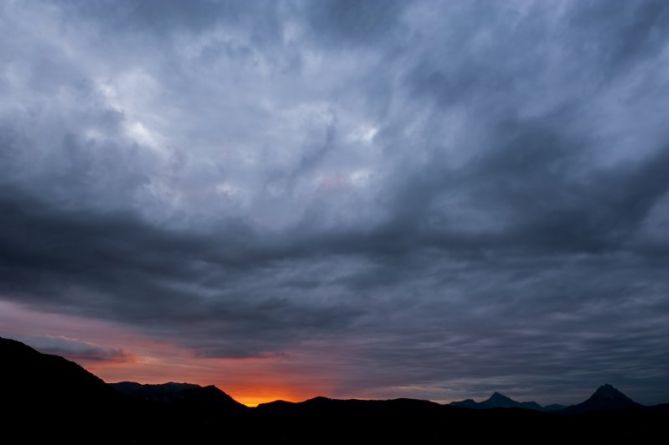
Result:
257,396
250,381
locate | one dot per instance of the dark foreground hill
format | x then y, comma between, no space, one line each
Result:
40,385
202,404
47,398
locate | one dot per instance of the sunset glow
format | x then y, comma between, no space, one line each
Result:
248,380
432,199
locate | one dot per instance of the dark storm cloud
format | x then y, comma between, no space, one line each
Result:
451,197
540,322
124,269
342,22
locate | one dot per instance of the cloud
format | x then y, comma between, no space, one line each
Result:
467,196
78,351
339,23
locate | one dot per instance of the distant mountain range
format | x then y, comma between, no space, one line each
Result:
70,404
605,398
498,400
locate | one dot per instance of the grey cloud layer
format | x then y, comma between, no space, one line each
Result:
463,196
75,350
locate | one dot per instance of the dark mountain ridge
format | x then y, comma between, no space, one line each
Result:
45,397
180,395
30,378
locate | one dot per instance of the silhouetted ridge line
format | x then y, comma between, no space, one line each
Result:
41,381
46,398
182,396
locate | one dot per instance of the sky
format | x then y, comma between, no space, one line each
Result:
372,199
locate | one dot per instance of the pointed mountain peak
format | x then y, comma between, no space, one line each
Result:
609,391
499,400
605,398
609,394
499,397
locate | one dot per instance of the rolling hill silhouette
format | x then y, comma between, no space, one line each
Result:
48,398
186,397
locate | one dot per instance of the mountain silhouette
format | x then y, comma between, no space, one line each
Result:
46,398
553,407
30,379
354,407
186,396
152,391
497,400
605,398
